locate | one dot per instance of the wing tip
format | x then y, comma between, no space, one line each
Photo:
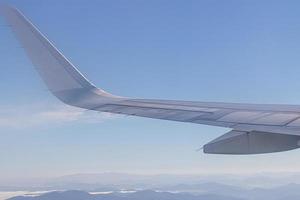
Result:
8,7
64,80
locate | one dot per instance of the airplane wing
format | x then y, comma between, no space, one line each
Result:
256,128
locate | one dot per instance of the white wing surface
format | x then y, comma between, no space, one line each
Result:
256,128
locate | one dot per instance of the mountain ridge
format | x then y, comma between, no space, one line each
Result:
139,195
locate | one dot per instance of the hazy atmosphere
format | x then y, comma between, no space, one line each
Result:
227,51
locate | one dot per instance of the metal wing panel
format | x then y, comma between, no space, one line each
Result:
242,116
278,119
193,114
234,106
158,112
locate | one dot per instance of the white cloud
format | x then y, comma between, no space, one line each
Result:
21,116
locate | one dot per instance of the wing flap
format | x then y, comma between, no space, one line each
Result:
153,112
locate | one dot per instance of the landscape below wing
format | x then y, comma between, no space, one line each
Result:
256,128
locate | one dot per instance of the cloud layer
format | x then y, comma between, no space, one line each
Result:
22,116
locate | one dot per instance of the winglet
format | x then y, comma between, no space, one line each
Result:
60,75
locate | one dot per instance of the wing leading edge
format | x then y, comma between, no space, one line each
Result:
256,128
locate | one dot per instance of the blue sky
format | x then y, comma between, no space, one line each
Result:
231,51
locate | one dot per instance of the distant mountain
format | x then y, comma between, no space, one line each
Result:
285,192
125,179
209,187
140,195
206,191
117,181
167,187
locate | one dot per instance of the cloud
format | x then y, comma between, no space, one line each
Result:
22,116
